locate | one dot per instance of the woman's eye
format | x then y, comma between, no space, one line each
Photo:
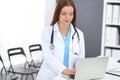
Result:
63,14
71,14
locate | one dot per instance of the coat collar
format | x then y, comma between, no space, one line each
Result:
56,28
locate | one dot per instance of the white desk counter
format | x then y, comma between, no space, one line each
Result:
110,77
107,77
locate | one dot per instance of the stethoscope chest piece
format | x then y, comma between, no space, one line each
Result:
76,47
52,47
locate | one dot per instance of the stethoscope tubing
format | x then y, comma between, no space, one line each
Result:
52,40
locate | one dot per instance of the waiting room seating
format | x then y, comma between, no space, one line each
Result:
34,49
4,75
22,69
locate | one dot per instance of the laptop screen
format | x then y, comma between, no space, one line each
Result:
91,68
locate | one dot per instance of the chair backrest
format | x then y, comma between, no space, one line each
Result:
33,48
15,52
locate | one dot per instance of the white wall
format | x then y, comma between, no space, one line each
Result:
21,24
49,11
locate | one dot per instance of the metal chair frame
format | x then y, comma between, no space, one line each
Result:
33,48
26,70
6,74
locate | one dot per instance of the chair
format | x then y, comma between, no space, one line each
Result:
22,69
33,49
5,76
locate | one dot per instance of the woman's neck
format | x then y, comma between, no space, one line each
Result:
64,29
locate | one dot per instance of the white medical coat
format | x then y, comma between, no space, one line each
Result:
53,60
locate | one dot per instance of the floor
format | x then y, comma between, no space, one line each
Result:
20,68
17,77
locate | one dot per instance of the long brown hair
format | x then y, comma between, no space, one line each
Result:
60,4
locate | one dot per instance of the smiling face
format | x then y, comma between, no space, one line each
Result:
66,15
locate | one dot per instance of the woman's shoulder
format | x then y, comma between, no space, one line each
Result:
79,31
47,29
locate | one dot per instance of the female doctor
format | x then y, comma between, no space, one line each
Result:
62,43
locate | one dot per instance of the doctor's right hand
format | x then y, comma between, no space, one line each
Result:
69,71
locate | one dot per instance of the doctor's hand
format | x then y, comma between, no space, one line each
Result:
69,71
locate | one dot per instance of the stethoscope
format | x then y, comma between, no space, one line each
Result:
52,47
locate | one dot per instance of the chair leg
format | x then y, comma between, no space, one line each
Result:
15,78
32,76
5,77
22,77
27,77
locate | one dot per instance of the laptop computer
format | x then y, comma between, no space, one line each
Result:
90,69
